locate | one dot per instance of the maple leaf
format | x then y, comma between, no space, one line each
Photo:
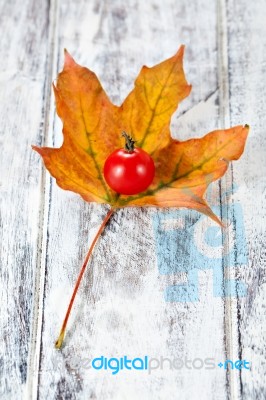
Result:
92,128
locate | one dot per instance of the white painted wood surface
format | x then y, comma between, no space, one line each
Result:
45,231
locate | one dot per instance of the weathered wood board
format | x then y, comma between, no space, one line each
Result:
122,308
247,78
24,78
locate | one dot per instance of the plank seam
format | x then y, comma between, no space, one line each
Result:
231,331
39,284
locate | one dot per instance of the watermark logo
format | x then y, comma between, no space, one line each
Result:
187,242
118,364
238,364
148,364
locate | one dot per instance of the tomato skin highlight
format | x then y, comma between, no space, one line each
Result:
129,172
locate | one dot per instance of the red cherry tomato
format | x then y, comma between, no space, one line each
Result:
129,172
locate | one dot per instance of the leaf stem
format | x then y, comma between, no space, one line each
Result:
61,336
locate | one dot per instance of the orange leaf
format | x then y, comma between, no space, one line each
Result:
147,111
185,169
92,128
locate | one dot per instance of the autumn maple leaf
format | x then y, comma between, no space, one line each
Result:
92,128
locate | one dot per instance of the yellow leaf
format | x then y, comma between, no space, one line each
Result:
147,111
92,128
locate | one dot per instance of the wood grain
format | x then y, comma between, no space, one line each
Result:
23,75
45,231
247,77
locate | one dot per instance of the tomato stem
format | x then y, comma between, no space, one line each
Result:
129,145
61,336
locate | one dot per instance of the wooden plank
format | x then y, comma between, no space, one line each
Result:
247,74
120,309
229,237
23,73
